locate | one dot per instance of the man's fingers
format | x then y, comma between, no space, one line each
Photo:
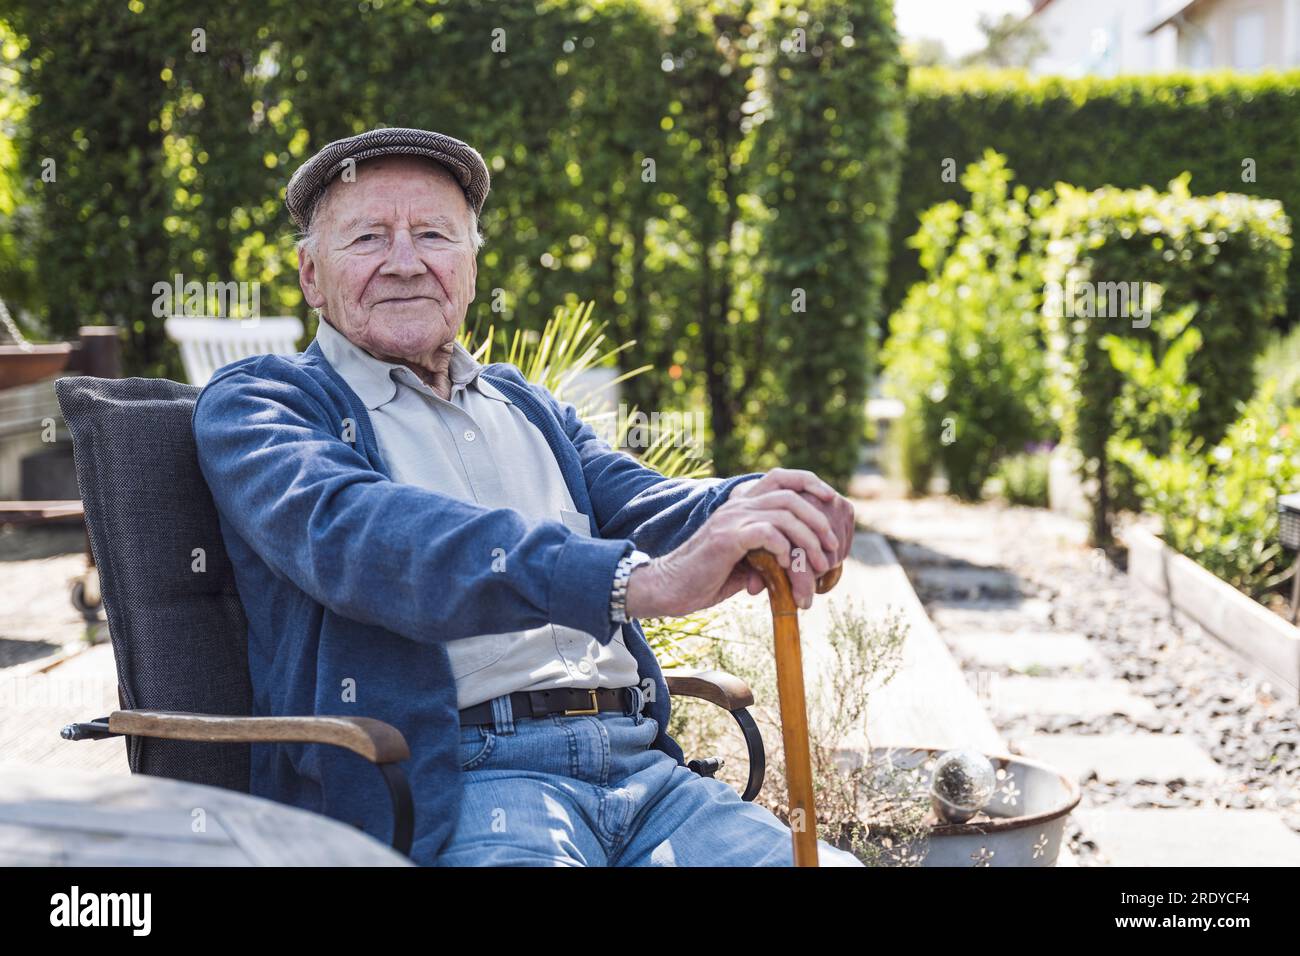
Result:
793,479
764,536
810,514
797,479
798,535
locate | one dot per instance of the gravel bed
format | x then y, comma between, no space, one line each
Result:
1199,687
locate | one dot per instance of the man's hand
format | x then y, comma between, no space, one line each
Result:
837,509
793,514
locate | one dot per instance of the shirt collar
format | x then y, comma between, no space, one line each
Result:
374,379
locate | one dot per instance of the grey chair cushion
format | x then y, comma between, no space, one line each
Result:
178,627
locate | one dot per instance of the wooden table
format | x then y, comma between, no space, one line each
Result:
53,816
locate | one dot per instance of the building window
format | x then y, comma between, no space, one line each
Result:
1249,35
1197,49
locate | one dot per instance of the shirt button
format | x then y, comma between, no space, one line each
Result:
584,666
469,434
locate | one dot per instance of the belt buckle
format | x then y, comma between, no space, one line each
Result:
594,708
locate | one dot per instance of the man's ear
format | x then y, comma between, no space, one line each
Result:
307,277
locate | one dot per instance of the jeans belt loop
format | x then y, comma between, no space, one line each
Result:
503,715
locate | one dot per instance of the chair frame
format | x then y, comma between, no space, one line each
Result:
385,747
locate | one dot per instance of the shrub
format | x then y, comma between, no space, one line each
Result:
1022,479
1280,361
686,163
1219,507
966,354
1222,257
1233,132
867,646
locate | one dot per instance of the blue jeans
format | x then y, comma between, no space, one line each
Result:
591,791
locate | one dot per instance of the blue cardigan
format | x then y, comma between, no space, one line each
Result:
352,582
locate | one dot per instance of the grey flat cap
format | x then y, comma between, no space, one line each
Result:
461,159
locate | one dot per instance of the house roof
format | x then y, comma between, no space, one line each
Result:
1173,11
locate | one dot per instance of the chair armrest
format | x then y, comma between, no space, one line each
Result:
717,687
380,743
731,694
372,739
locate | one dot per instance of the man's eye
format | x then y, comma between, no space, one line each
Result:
366,237
434,233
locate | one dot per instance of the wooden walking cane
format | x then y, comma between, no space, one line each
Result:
790,691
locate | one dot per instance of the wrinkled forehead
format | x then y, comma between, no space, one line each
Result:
388,184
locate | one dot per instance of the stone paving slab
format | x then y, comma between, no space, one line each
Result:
966,583
1023,652
1124,758
990,615
928,702
1072,696
1199,837
37,619
34,707
978,553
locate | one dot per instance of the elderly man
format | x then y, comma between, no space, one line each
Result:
444,546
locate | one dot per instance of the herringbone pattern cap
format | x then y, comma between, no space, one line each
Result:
461,159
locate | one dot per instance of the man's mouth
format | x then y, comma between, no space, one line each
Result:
408,298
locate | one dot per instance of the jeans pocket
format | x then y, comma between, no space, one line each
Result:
477,742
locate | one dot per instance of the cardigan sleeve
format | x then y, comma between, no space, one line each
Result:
275,453
632,500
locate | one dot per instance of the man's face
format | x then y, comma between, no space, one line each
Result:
392,266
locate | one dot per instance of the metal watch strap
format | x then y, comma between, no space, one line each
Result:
623,574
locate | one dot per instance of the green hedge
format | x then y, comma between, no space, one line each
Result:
1169,262
1109,314
686,165
1217,504
966,355
1125,132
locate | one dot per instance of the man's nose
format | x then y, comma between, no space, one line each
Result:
402,259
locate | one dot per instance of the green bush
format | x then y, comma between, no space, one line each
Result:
687,164
1022,479
1280,361
966,353
1154,265
826,244
1126,131
1219,507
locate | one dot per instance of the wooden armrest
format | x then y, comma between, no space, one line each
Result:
375,740
717,687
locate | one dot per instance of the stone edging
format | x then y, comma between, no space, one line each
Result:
1263,638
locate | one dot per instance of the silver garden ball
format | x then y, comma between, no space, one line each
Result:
962,783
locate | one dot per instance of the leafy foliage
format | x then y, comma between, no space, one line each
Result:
1280,362
966,353
1218,504
642,152
1022,479
1216,262
1234,132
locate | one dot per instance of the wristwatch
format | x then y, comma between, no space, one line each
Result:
622,574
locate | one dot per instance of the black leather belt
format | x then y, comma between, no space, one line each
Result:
567,701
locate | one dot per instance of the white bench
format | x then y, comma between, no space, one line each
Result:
208,344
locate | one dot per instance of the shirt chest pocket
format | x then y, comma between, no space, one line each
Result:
576,521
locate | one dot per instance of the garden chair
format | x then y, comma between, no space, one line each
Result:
206,344
146,502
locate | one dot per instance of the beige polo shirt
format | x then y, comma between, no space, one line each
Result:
479,447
